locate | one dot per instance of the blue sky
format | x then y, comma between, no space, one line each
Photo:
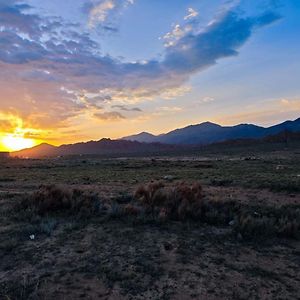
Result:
108,68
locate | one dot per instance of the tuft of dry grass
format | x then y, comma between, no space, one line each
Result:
184,201
284,222
52,198
131,210
180,201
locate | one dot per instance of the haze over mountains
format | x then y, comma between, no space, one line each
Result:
207,133
146,143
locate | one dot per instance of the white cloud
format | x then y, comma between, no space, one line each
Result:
208,99
176,34
192,13
99,12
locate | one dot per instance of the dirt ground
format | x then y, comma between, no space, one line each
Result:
111,257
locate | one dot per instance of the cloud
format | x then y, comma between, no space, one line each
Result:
59,73
109,116
221,38
192,13
101,12
170,109
124,108
207,99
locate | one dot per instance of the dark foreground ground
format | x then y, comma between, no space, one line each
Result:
115,256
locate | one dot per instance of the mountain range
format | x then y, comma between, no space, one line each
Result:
177,140
208,133
101,147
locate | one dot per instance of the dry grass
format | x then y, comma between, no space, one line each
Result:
54,199
181,201
284,222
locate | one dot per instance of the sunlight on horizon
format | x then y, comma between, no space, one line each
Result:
14,136
13,142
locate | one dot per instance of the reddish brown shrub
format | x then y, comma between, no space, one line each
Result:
150,195
178,202
52,198
131,210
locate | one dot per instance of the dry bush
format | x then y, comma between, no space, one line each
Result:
131,210
150,195
181,201
185,201
253,227
283,222
53,198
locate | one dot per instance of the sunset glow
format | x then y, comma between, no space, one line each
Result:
14,134
15,143
76,71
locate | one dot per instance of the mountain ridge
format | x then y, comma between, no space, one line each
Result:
183,138
209,132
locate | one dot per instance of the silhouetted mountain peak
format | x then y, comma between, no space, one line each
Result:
208,132
144,142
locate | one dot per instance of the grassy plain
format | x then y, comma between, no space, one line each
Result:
112,255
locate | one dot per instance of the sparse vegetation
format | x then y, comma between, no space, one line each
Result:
283,222
52,198
99,228
179,202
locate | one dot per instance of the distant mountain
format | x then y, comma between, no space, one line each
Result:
173,142
143,137
208,133
40,150
102,147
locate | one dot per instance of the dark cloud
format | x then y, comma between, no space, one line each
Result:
222,38
109,116
124,108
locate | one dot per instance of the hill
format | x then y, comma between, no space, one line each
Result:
208,133
101,147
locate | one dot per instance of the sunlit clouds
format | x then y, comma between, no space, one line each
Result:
58,85
100,11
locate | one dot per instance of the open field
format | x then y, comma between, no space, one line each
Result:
113,252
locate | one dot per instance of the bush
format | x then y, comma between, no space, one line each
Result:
52,198
181,201
282,222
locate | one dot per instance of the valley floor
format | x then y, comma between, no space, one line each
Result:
114,256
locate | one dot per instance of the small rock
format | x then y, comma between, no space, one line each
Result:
169,177
231,223
32,237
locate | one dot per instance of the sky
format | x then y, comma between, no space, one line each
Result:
80,70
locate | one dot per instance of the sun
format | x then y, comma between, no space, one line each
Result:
15,143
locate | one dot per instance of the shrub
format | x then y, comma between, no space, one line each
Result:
282,222
253,227
52,198
131,210
181,201
151,195
185,201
